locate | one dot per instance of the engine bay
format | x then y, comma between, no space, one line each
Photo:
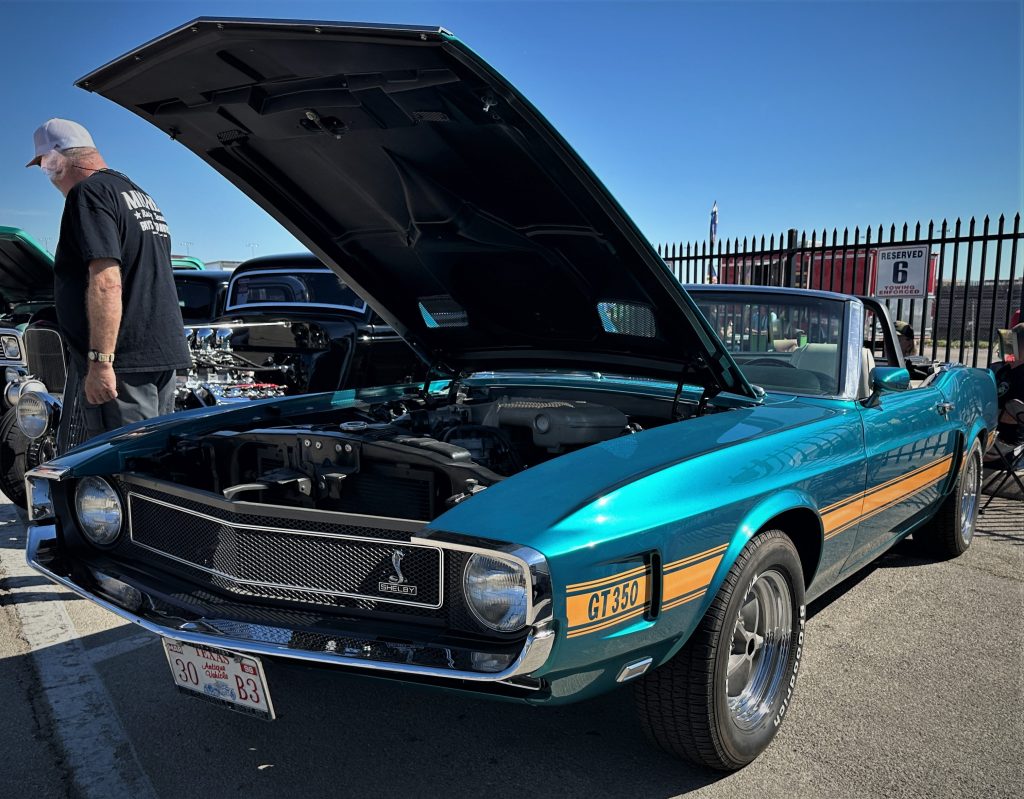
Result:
411,458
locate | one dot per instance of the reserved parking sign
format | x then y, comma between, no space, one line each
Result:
902,271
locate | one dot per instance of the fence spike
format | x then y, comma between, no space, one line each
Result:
1002,218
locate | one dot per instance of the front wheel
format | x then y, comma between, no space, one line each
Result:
951,529
721,699
13,446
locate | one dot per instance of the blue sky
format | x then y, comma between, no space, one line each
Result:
804,115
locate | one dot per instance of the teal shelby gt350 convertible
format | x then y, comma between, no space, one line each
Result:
611,480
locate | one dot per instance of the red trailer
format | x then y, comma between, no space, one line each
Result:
852,272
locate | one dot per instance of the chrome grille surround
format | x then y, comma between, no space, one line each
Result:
44,553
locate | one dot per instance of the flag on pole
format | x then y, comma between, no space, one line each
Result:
714,237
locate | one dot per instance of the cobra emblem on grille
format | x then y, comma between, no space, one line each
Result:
396,583
396,561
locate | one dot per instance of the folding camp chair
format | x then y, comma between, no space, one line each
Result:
1008,458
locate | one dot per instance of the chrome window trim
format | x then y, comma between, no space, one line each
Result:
280,272
854,346
281,586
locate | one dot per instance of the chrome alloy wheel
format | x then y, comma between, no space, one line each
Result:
761,640
970,487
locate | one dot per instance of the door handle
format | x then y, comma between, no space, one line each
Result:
944,407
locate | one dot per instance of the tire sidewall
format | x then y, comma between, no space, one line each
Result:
973,453
742,746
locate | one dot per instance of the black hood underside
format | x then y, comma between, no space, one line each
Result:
438,192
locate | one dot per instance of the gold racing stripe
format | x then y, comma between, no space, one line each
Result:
854,497
612,601
603,603
604,580
684,599
884,496
573,633
685,581
678,564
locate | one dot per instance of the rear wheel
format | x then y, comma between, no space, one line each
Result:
721,699
13,446
950,531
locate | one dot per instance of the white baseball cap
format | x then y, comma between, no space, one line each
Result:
58,134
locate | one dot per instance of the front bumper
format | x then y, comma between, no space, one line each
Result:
402,659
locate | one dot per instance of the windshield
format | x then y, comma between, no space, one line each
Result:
319,288
782,343
197,300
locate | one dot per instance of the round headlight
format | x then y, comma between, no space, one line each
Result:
33,414
496,592
99,510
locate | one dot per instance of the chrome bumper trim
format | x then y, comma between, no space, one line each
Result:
267,641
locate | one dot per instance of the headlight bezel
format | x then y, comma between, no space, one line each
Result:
519,611
104,539
11,340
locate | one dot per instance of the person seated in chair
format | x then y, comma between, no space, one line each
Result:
1010,389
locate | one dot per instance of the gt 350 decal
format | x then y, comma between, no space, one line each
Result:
600,604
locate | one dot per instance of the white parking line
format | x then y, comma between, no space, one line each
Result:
99,754
122,646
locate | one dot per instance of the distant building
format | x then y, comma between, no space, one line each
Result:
229,265
964,301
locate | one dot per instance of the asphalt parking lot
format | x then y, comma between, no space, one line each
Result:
912,686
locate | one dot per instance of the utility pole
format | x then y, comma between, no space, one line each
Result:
252,249
188,247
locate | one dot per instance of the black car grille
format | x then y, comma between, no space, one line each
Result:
44,354
295,562
267,561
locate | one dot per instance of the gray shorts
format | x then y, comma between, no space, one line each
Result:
140,395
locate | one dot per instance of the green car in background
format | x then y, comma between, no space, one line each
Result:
187,262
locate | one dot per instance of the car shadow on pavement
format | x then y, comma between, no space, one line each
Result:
339,734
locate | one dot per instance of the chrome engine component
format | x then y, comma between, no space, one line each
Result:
218,375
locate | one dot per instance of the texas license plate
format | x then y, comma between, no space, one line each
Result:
227,678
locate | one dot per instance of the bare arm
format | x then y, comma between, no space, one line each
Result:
103,304
103,308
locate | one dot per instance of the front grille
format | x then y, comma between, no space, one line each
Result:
283,563
44,355
165,525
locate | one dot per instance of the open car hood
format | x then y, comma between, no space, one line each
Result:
26,269
435,189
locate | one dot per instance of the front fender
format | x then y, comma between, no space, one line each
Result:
758,518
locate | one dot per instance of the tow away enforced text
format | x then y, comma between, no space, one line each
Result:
902,272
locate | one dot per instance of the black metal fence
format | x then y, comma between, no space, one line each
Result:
975,280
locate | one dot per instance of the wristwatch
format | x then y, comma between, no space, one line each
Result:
100,357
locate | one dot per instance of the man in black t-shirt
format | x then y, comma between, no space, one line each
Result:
117,306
